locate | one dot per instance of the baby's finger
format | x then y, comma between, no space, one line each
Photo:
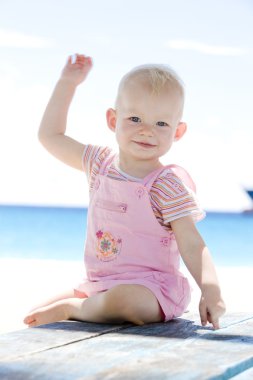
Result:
203,313
215,323
89,60
80,57
69,60
76,58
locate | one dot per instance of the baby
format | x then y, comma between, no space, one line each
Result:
141,214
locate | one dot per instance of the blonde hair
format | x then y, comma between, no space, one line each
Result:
155,76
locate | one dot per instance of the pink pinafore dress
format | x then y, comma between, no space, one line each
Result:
127,245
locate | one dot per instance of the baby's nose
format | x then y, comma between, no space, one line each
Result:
146,129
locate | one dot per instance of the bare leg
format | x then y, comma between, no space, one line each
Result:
69,293
123,303
51,303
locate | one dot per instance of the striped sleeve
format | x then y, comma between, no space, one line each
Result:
173,200
93,156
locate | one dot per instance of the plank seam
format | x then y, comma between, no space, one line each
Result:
236,323
18,357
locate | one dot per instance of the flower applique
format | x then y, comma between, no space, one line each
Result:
108,247
165,241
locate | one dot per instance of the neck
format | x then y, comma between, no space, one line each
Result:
137,168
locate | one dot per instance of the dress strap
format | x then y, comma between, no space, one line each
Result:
106,164
184,175
176,169
150,178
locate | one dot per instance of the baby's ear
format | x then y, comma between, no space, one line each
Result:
111,119
180,131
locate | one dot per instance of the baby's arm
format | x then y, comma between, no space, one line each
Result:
54,121
198,260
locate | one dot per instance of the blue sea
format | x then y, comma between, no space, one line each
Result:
59,233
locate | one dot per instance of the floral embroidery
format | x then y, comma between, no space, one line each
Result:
165,241
140,192
99,234
107,246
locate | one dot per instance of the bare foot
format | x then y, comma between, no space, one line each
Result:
55,312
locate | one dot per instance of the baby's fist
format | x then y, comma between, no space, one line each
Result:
76,68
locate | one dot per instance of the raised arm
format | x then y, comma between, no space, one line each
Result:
197,258
53,125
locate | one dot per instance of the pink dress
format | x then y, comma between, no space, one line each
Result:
127,245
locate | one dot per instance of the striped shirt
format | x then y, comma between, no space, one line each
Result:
170,199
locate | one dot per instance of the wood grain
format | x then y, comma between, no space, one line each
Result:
178,350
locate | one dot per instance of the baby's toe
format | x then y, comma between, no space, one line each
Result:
29,319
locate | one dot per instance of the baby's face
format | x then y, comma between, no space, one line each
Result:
147,123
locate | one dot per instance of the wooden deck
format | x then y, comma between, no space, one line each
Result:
177,350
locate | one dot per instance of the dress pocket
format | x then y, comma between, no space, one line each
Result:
111,206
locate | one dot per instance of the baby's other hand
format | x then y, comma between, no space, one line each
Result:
76,69
211,311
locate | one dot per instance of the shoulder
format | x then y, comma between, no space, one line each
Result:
170,183
175,196
93,157
94,154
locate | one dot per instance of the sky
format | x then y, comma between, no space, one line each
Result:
208,43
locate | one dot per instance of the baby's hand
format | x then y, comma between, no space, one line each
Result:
76,69
211,310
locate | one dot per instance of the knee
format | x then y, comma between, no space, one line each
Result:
116,300
118,303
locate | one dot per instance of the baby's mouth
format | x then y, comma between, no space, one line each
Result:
144,144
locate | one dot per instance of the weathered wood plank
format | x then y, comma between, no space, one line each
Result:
28,341
176,350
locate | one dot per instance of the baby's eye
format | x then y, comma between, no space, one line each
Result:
162,124
135,119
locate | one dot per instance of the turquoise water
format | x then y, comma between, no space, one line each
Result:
59,234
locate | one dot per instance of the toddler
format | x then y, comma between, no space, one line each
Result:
141,214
